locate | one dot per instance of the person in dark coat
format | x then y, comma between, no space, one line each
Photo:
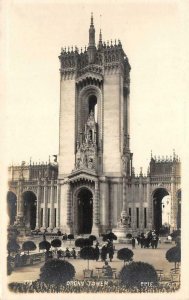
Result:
133,243
97,252
73,253
67,253
104,252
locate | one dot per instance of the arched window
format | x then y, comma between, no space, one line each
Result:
93,105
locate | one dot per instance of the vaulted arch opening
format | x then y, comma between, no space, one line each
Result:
161,210
30,206
11,207
85,211
93,106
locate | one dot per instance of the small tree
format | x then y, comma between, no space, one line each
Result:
12,246
87,243
109,236
175,233
56,243
174,255
79,243
92,238
88,253
129,236
44,245
70,237
57,272
132,275
125,254
29,246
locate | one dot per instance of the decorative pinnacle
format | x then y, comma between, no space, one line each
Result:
100,36
91,19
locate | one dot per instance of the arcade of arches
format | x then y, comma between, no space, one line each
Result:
29,208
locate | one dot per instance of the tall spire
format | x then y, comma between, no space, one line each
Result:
100,35
91,19
92,33
91,47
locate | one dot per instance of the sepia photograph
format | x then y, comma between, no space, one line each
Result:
95,118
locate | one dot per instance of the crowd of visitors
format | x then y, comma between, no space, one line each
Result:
148,240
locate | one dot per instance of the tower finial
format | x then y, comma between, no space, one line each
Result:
92,19
91,47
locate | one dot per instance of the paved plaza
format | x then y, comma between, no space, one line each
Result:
156,257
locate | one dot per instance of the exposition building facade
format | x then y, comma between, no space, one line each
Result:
92,188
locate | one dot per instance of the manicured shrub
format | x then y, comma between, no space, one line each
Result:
56,243
44,245
174,255
125,254
88,253
29,246
57,272
12,246
134,274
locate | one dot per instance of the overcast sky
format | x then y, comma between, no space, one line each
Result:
152,37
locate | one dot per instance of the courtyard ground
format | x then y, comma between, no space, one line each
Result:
156,257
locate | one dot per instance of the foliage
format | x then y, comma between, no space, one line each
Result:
92,238
56,243
29,246
57,271
79,242
87,243
70,237
44,245
129,236
109,236
174,255
88,253
175,233
125,254
12,246
9,268
133,274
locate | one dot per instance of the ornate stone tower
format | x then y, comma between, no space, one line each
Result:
94,154
93,187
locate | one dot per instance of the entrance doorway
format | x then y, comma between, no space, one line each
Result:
30,205
11,207
85,211
159,205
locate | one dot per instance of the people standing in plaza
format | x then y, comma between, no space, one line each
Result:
67,253
97,252
104,252
73,253
133,242
110,250
107,270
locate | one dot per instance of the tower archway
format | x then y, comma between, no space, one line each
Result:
160,202
30,206
84,211
11,207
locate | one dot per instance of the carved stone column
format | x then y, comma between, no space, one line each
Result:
58,205
20,203
149,208
96,217
69,210
52,205
38,215
45,203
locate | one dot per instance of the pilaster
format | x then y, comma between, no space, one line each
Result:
52,204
